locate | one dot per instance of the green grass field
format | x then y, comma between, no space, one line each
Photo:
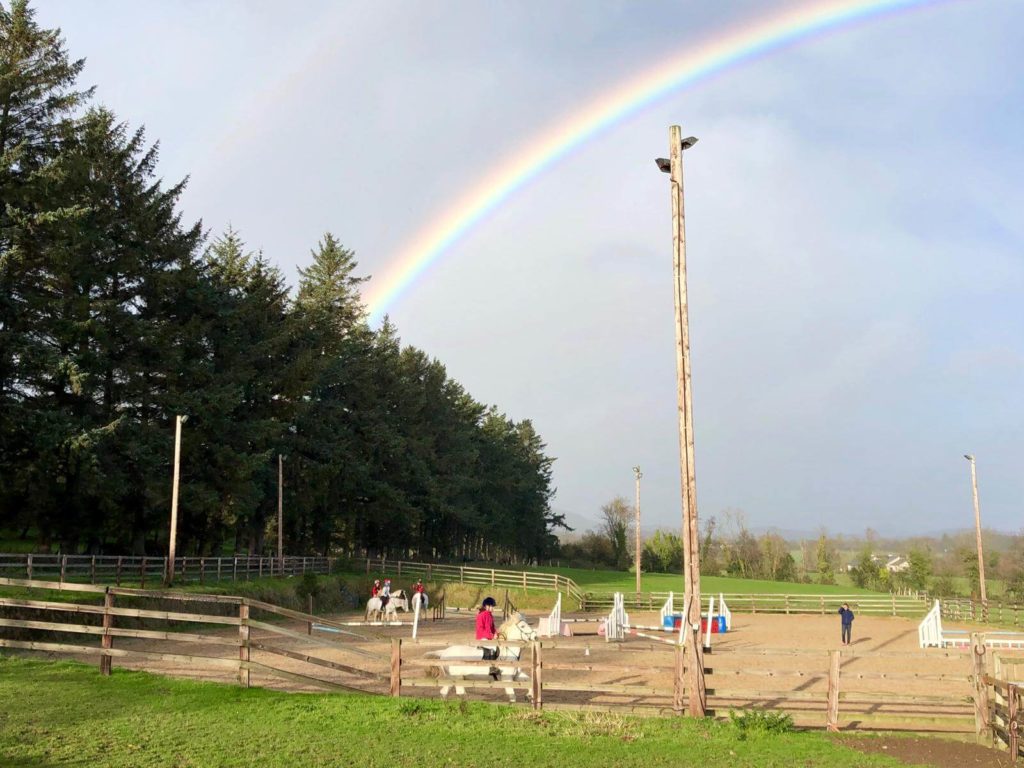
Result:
64,713
620,581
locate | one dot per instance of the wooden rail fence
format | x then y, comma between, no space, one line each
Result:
246,638
876,605
834,689
118,570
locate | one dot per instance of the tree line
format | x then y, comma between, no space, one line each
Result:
116,316
945,566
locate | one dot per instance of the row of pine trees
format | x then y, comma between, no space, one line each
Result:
116,315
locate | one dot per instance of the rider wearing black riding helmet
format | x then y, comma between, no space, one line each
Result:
485,620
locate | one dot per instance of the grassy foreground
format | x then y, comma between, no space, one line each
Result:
64,713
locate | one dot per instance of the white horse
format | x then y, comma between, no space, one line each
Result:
514,629
380,612
421,598
399,600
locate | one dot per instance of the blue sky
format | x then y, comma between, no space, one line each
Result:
854,224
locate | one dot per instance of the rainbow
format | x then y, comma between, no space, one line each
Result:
548,147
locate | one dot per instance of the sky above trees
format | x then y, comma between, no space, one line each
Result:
853,223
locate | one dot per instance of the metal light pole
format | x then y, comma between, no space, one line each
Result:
637,559
977,527
172,544
691,551
280,514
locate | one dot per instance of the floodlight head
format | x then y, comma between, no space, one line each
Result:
664,165
969,456
184,418
689,141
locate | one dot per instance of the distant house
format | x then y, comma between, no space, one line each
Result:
897,564
891,563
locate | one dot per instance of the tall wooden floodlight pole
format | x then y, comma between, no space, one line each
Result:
691,552
639,548
172,543
977,528
280,514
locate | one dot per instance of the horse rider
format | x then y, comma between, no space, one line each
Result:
485,620
375,589
419,589
385,593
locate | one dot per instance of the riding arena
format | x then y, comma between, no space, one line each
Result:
625,653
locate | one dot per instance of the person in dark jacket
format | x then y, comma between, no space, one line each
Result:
847,618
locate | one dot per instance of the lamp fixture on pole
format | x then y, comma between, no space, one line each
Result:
691,537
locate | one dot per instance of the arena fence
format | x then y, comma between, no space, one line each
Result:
1006,703
876,605
851,690
266,647
255,642
118,570
967,609
142,570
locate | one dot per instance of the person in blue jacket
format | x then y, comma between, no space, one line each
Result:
847,617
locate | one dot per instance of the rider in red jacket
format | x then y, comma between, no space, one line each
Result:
485,620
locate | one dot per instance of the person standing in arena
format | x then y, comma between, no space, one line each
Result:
847,619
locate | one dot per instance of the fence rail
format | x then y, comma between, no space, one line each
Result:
143,570
881,605
129,569
467,574
969,609
117,569
249,637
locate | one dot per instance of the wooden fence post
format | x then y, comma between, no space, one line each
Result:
832,708
219,559
63,567
980,689
893,604
28,568
244,677
399,570
396,666
492,577
1012,723
202,569
108,640
822,605
538,661
117,578
678,680
234,571
309,624
142,573
462,573
92,570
